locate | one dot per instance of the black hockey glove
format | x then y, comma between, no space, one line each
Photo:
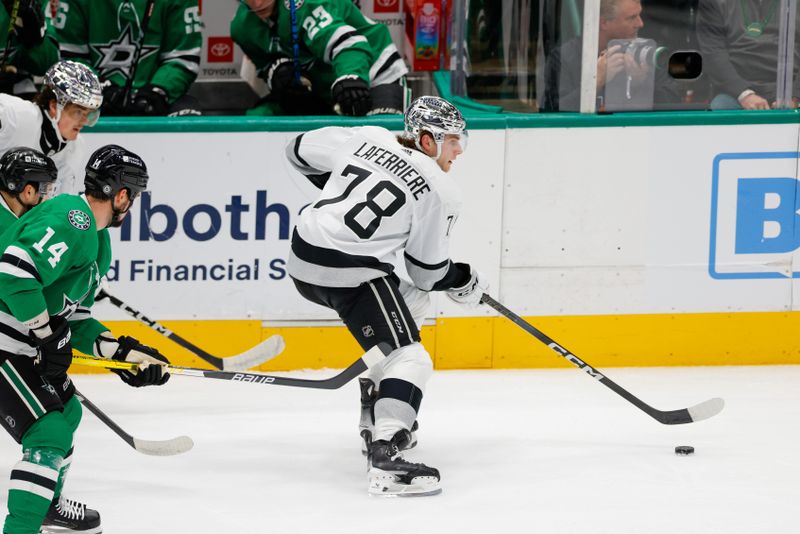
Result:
55,350
130,350
30,23
150,101
351,96
294,96
113,99
8,79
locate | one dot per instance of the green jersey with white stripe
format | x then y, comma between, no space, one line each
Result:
49,261
333,31
105,33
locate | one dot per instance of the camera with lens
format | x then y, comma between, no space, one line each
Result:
644,51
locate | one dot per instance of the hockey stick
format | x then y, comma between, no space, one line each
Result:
264,351
12,19
367,360
148,12
701,411
167,447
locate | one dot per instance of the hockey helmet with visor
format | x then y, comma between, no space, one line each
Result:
439,118
21,166
75,83
112,168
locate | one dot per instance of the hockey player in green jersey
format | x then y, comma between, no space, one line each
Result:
27,177
70,99
49,273
109,35
24,49
320,51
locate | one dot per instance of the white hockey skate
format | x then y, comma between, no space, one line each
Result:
389,475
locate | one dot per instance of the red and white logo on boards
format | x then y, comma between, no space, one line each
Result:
386,6
220,50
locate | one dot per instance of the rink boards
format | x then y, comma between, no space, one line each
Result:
629,240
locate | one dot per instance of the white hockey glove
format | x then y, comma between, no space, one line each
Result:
471,292
127,349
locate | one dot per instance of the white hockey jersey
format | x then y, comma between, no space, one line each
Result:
380,199
21,124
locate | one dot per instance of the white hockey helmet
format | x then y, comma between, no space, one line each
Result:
75,83
438,117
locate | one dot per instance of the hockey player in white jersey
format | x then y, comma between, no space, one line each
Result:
384,197
70,99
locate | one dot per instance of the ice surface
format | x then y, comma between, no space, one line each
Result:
533,451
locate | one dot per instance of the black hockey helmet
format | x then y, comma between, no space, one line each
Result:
112,168
20,166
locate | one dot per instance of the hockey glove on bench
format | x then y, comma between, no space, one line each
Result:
351,96
128,349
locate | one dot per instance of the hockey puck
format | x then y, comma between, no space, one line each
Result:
684,450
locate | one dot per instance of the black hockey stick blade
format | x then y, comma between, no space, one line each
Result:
367,360
701,411
264,351
167,447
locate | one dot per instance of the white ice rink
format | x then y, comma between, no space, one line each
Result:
540,451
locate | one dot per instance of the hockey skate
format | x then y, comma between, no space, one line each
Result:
389,475
366,425
66,516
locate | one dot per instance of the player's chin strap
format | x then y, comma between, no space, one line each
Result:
54,122
116,219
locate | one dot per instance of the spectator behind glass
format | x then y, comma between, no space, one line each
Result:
739,43
619,19
105,34
24,49
347,63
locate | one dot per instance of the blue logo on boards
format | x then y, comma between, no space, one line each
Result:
755,225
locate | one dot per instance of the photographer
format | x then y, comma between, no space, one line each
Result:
739,41
626,65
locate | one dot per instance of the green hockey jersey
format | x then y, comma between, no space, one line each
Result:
34,60
50,262
333,32
104,34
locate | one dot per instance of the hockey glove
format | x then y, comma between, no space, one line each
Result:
128,349
471,292
151,101
30,23
113,99
55,349
295,97
351,96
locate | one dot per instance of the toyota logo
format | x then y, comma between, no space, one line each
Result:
385,3
220,49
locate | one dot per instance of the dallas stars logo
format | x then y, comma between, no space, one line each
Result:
69,307
116,57
79,219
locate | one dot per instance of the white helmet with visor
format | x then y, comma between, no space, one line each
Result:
75,83
439,118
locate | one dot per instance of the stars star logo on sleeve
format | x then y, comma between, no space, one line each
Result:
79,219
68,307
116,57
